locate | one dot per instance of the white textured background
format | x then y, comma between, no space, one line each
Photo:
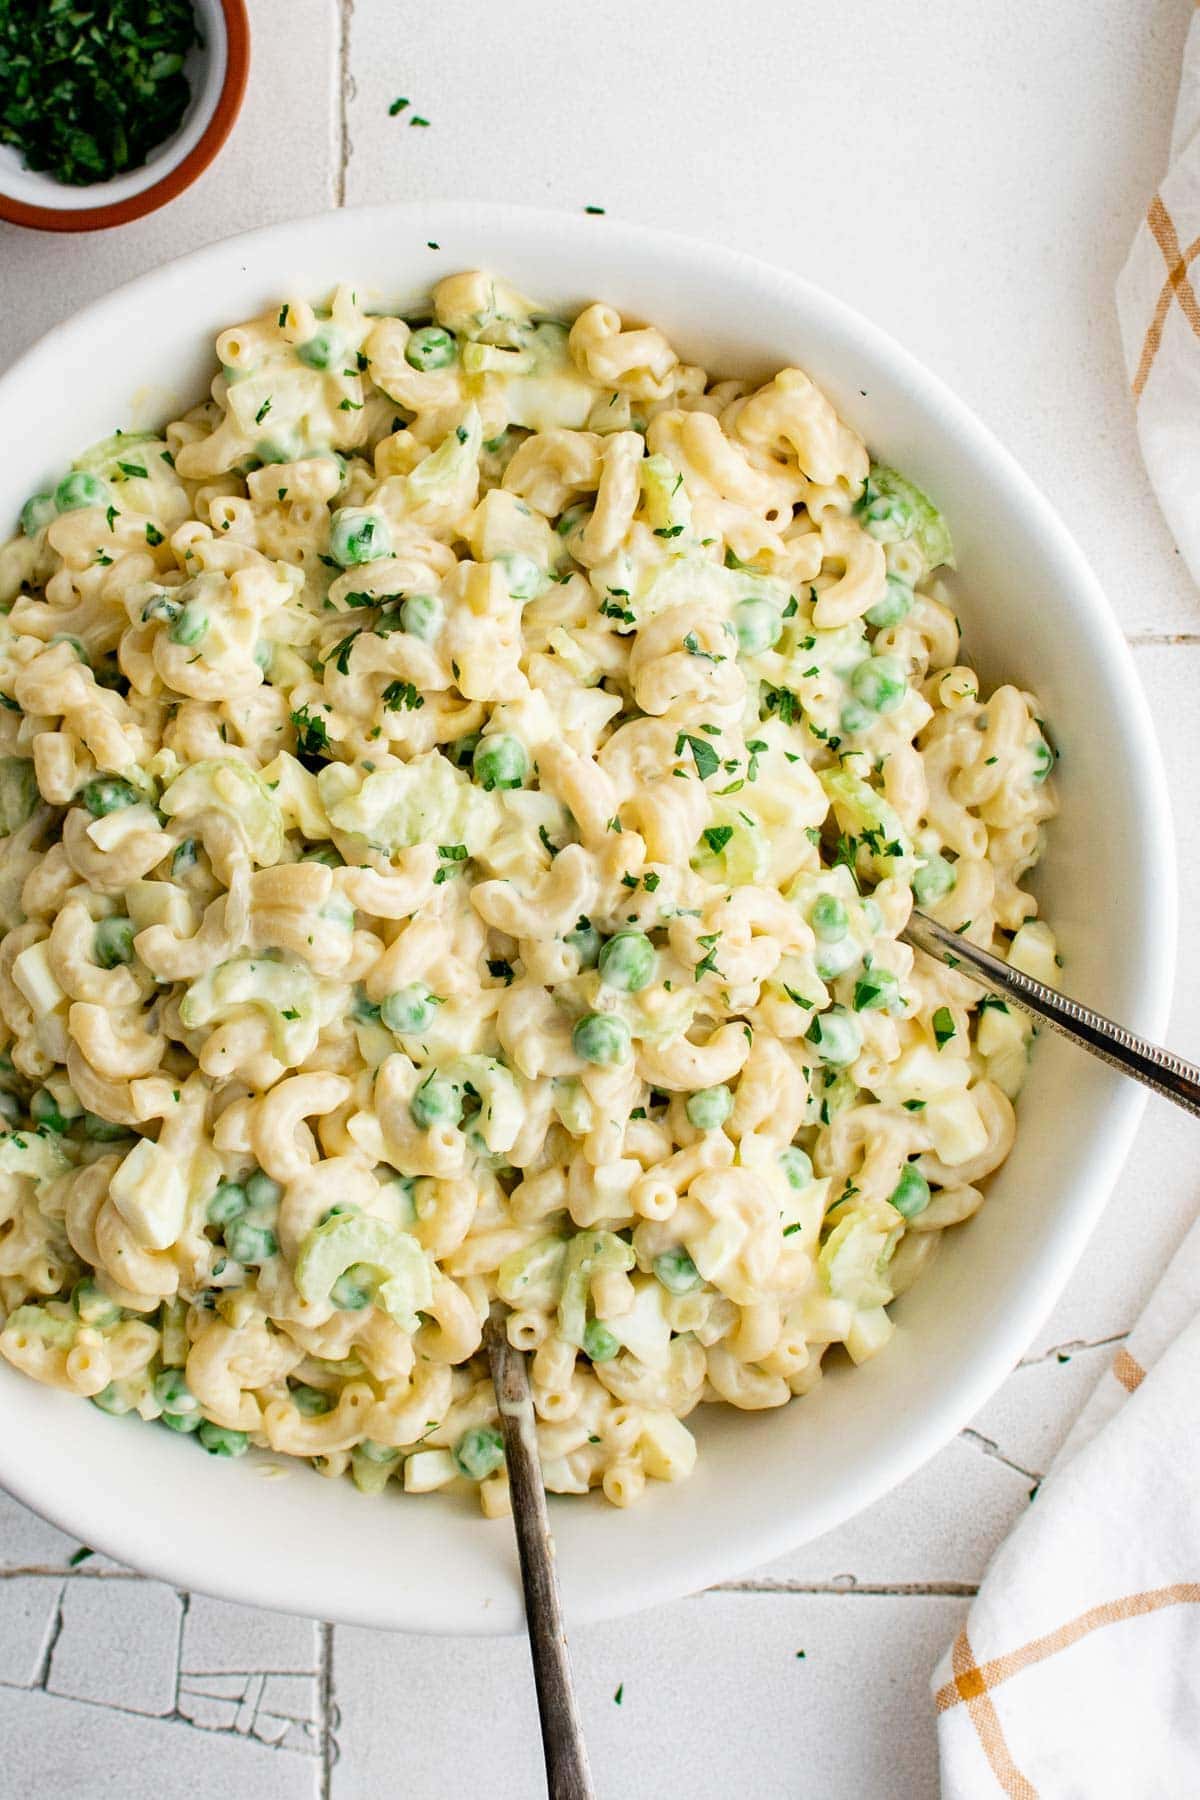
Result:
970,176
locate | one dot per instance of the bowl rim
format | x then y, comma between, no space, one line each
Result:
179,176
188,1565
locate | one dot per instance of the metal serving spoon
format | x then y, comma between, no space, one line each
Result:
568,1776
1159,1069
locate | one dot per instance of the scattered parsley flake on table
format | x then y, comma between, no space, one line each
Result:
397,106
88,91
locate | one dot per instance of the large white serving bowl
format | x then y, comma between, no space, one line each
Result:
1032,613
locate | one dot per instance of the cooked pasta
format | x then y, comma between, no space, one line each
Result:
463,784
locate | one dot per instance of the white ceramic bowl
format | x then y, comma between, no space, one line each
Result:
216,69
1032,613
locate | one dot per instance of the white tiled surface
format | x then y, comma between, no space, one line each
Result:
970,177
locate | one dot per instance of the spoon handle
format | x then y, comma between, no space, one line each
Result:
1168,1074
568,1776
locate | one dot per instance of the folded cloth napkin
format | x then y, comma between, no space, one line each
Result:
1077,1675
1159,313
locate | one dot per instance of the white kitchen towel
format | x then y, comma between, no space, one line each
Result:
1159,313
1077,1675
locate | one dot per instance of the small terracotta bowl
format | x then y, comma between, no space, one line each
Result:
217,71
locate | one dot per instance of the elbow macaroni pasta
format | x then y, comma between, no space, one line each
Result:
463,785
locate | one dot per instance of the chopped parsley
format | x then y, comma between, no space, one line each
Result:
397,106
263,410
87,91
668,531
399,694
705,757
692,645
312,735
153,534
708,962
943,1025
503,971
717,836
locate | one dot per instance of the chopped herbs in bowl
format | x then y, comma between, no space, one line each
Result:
87,91
110,108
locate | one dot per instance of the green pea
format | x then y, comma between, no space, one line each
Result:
37,513
250,1244
80,489
479,1452
829,918
855,719
191,624
598,1342
436,1102
879,683
432,347
422,616
933,881
173,1393
108,794
161,609
797,1166
326,855
102,1131
836,1035
10,1108
757,626
708,1108
584,939
601,1039
676,1271
354,1289
570,521
114,942
358,537
185,857
262,1191
325,349
221,1440
522,576
409,1009
896,603
310,1402
228,1203
627,962
877,990
832,960
270,450
887,517
92,1306
44,1111
114,1400
182,1422
910,1195
500,762
362,1010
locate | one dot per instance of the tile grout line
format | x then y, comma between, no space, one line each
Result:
345,91
844,1587
329,1749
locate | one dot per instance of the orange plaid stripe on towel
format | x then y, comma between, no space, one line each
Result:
1078,1672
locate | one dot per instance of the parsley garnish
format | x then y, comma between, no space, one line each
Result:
717,836
339,656
132,470
263,410
706,759
153,534
692,645
399,694
943,1025
312,735
650,881
501,970
397,106
667,531
708,962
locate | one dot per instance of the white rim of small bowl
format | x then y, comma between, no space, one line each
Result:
1101,1157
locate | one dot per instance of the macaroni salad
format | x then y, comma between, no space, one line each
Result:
462,786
